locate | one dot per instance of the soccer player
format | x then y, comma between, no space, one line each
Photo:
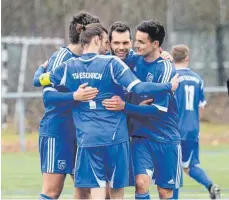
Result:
102,136
155,139
57,140
191,101
120,38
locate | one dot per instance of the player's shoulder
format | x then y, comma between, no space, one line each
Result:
110,58
61,55
165,65
189,72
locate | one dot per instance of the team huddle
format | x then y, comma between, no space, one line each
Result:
116,118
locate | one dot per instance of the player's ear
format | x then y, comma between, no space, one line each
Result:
187,59
155,44
96,39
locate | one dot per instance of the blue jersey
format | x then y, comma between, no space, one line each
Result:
131,60
97,126
163,126
57,119
190,95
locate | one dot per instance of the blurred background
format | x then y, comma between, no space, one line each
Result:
33,29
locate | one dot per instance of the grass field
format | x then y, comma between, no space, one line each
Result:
21,176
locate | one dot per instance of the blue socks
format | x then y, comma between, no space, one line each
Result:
200,176
142,196
43,197
175,194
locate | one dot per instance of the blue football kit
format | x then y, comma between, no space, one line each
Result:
190,96
102,135
156,146
57,140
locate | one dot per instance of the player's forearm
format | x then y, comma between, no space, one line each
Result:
145,111
58,97
36,80
146,88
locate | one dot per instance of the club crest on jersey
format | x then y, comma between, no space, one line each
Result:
149,77
61,164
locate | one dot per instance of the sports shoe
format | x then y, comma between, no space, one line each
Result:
214,192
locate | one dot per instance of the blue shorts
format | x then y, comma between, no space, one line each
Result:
57,155
131,170
97,165
190,153
161,161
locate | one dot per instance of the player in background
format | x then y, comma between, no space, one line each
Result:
191,102
155,139
57,140
102,136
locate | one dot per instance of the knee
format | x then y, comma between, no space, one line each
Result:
141,185
186,170
164,193
82,193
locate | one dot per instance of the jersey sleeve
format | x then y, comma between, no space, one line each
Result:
141,110
61,57
167,71
202,101
58,75
53,96
121,74
36,80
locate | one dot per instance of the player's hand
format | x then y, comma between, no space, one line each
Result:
45,64
175,82
115,103
85,93
146,102
166,55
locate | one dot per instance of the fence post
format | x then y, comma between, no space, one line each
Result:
21,105
219,54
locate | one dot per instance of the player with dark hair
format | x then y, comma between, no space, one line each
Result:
102,136
191,101
57,140
155,138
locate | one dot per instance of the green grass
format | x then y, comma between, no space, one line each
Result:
21,176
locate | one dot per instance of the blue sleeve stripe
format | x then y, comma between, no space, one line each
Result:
63,79
167,72
59,58
112,74
121,62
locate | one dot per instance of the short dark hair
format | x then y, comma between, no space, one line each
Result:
120,27
154,28
89,31
83,18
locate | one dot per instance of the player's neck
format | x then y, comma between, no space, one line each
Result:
154,55
90,49
181,65
76,49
